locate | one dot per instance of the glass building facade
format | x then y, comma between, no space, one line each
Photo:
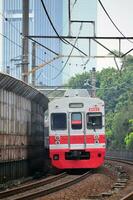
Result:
11,38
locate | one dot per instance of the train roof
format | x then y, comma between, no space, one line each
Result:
76,93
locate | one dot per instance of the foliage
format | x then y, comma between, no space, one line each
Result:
120,125
79,80
115,87
129,141
129,136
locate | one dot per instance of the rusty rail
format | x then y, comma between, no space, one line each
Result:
30,186
53,189
40,191
120,160
128,197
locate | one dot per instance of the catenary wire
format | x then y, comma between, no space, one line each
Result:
83,63
97,88
21,48
69,54
57,34
6,19
44,7
11,40
63,40
73,5
17,45
113,21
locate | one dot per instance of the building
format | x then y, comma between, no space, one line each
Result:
11,38
85,10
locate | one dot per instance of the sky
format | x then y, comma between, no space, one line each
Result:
81,10
121,12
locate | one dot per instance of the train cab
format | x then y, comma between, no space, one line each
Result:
77,131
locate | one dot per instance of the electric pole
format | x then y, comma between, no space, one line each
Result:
33,62
69,16
25,31
93,82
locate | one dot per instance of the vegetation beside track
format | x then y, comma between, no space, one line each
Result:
115,87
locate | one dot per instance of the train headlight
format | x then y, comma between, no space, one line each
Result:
56,157
57,139
96,139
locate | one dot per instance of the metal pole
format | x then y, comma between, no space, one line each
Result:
69,17
93,82
33,62
25,31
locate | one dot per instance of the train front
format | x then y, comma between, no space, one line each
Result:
77,131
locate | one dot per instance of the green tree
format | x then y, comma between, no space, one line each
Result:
115,87
78,81
129,136
121,126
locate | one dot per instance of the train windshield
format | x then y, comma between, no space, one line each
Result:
94,120
76,121
58,121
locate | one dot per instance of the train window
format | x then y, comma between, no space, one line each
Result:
76,120
76,105
58,121
94,120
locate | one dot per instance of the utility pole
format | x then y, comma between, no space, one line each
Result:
69,16
33,62
93,82
25,31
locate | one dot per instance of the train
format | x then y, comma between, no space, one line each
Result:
77,131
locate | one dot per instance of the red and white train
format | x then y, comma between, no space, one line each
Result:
77,131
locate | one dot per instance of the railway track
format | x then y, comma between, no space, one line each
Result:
128,197
42,188
26,187
129,162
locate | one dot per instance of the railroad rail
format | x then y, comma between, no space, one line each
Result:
128,197
32,185
129,162
42,188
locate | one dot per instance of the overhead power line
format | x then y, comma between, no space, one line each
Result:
6,19
97,88
69,54
113,22
57,54
13,42
63,40
51,21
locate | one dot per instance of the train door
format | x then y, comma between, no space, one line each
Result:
76,130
